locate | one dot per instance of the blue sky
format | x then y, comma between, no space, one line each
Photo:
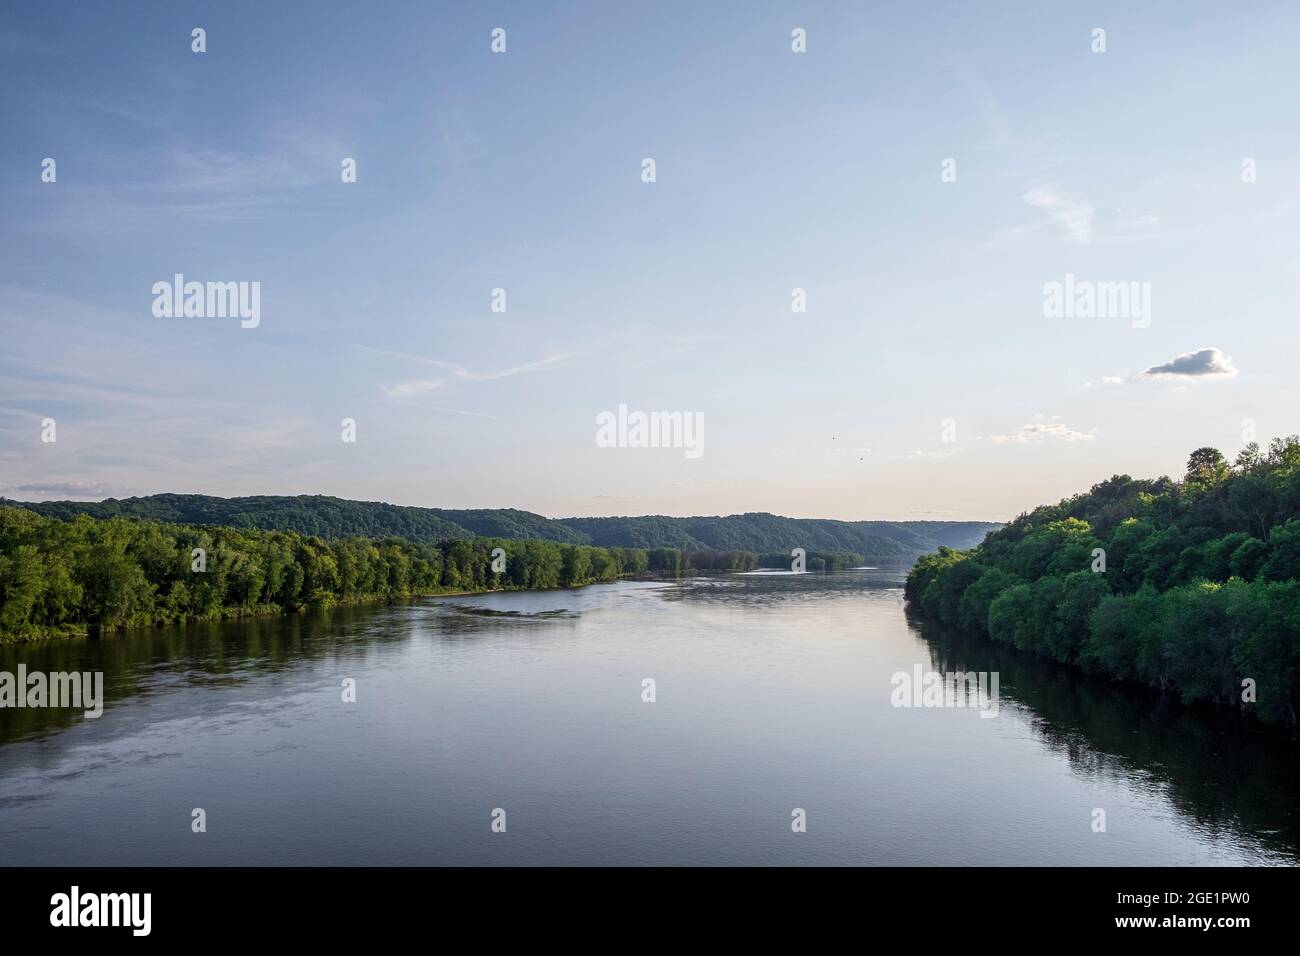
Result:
522,171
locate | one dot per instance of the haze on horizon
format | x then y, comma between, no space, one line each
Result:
522,171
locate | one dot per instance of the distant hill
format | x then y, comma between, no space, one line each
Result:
759,531
331,517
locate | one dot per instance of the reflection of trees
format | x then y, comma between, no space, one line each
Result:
1212,768
213,653
229,653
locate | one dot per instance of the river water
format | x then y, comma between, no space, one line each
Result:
772,695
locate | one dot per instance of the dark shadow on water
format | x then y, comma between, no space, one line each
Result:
163,660
212,654
1222,773
1215,769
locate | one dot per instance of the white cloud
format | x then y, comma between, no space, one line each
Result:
405,391
1203,363
462,411
1045,431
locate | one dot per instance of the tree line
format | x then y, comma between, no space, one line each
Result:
330,517
1188,586
88,574
97,575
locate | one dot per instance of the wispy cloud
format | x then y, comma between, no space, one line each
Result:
180,179
1105,380
515,370
74,490
1038,431
407,390
462,411
1072,215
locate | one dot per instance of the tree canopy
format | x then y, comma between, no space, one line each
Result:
329,517
1189,586
89,574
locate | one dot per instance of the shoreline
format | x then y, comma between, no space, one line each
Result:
270,611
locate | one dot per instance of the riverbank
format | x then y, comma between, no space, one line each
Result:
269,611
92,576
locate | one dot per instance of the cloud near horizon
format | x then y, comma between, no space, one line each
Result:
1043,431
64,490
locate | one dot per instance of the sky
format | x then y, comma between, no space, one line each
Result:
923,173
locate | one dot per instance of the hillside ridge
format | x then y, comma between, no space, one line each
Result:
328,516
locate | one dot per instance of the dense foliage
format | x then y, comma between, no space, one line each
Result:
1189,586
101,574
337,518
88,574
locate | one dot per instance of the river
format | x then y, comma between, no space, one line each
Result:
772,695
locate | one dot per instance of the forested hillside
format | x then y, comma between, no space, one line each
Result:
96,574
305,514
337,517
1188,586
767,532
91,574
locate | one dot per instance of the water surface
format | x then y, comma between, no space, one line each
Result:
772,693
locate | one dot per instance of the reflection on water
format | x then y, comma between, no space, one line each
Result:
772,693
1218,770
